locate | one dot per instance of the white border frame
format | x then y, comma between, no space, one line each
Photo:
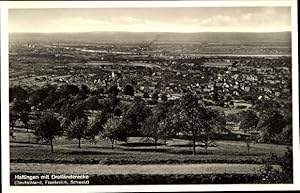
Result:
134,188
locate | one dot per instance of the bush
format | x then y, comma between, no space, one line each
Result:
269,175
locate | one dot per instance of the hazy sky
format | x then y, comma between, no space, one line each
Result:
211,19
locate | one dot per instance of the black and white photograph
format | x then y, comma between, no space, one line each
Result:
158,95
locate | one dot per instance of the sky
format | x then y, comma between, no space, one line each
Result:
193,19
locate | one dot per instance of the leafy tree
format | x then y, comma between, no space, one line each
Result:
118,112
13,118
191,116
113,90
95,125
70,89
101,90
135,116
113,131
158,124
77,129
48,127
109,104
17,92
212,121
198,121
164,98
19,110
165,121
151,128
92,103
20,106
272,124
50,100
128,90
267,105
85,89
43,97
114,102
216,96
154,97
73,109
249,121
146,95
24,117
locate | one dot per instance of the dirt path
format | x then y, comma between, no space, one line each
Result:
135,169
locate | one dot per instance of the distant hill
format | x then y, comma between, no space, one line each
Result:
159,37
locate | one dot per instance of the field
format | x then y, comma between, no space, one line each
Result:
137,162
23,150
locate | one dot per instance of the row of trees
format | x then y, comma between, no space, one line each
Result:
81,115
187,116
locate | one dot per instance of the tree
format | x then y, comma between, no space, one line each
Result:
191,116
164,98
17,92
92,103
13,118
24,117
74,108
146,95
264,105
118,112
197,121
70,89
128,90
113,131
95,125
151,128
48,127
135,116
85,89
248,140
19,110
249,121
272,124
211,121
154,97
109,104
77,129
165,120
113,90
44,97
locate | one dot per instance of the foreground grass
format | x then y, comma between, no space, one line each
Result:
23,150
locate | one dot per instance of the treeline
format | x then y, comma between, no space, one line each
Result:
79,113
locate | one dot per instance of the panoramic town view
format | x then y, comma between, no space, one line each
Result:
140,98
